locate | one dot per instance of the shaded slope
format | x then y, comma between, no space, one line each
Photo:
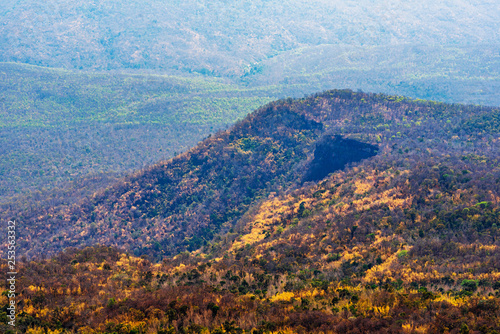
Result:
181,204
333,153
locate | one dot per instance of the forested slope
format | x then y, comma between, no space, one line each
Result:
403,241
183,203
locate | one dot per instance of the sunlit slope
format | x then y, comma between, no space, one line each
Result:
186,203
405,241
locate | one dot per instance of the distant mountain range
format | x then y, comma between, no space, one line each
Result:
59,126
163,75
226,38
445,50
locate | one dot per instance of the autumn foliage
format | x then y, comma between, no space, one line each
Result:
235,236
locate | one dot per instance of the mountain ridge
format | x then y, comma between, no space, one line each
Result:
405,241
193,197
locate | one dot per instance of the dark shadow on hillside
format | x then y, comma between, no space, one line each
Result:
334,152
